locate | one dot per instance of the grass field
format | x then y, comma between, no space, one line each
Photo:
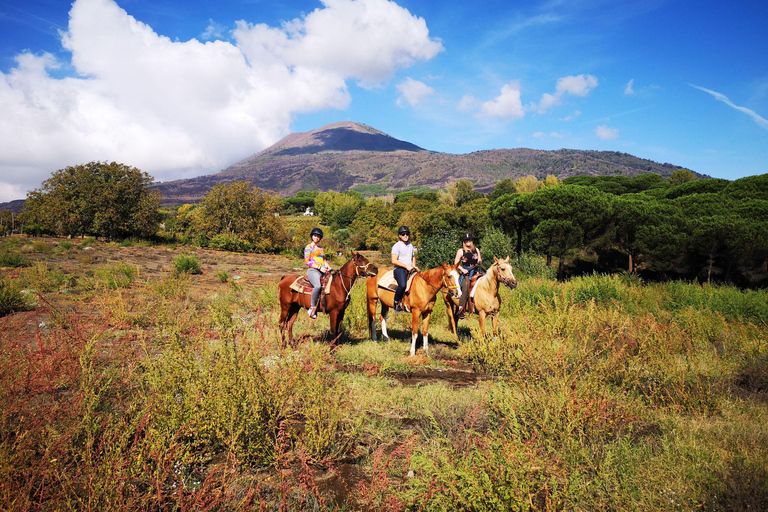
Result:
141,377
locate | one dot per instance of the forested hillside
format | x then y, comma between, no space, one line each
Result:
353,156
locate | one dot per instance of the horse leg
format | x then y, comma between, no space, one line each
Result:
384,311
451,318
495,319
481,316
372,316
339,321
414,329
293,311
425,330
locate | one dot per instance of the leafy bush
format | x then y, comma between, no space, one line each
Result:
185,264
10,298
438,249
496,243
532,265
119,276
12,259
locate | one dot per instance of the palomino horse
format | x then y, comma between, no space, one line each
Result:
486,295
336,301
419,300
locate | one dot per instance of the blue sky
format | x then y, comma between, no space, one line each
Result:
180,89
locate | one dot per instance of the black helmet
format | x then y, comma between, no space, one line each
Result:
316,231
403,230
466,237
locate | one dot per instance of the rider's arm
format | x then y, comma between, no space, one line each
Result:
399,263
457,259
479,258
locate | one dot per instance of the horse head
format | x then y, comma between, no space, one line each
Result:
363,267
502,271
451,280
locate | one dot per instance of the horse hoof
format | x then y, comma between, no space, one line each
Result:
385,338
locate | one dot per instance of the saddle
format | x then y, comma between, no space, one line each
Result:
302,285
387,281
469,307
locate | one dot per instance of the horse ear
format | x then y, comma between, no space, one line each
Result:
352,253
495,259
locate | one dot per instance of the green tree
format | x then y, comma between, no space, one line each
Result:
300,202
338,210
681,176
365,227
242,217
100,199
503,187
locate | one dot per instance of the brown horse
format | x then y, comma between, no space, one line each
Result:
485,298
336,301
419,300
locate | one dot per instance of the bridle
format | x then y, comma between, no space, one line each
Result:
509,282
366,272
451,289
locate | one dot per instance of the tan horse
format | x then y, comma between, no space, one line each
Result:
335,302
420,300
486,297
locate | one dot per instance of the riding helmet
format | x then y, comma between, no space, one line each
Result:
403,230
316,231
466,237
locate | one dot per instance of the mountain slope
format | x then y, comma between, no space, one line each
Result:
346,155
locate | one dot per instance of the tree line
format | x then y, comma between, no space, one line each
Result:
679,227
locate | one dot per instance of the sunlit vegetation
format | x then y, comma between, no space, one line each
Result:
125,388
146,371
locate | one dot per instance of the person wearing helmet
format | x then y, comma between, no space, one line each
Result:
404,260
314,258
468,260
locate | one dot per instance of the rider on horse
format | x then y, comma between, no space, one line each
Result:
404,260
314,258
468,258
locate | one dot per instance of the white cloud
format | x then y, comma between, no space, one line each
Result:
176,109
507,104
213,31
606,133
761,121
412,92
468,103
580,85
571,117
628,90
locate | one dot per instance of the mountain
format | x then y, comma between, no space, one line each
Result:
347,155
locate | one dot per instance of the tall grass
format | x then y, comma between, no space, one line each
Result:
598,393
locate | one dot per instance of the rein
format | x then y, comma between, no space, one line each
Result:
366,272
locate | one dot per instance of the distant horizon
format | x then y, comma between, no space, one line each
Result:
180,90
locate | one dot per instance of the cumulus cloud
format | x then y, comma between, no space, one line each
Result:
606,133
412,92
182,108
628,89
507,104
580,85
761,121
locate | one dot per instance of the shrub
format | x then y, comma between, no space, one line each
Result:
496,243
12,259
10,298
119,276
185,264
532,265
438,249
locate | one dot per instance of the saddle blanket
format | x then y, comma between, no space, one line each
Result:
388,282
302,285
